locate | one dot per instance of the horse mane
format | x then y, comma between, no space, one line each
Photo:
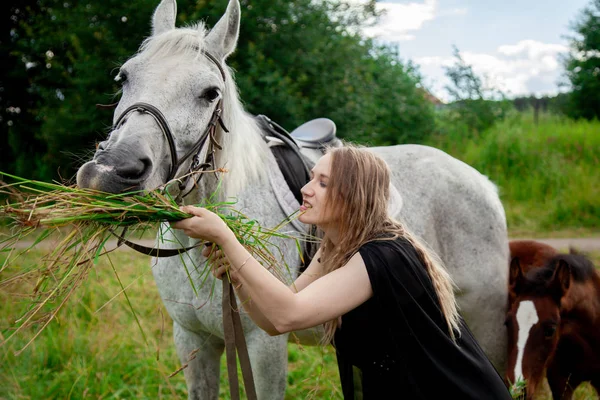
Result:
244,153
581,267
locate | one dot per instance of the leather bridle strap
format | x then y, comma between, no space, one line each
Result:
146,108
234,339
151,251
233,333
216,118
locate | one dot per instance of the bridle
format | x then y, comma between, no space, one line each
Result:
196,167
233,333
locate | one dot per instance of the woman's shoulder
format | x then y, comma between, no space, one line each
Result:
386,243
387,250
394,268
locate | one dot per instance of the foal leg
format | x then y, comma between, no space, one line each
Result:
201,352
268,358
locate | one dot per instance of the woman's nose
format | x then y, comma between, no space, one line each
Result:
306,191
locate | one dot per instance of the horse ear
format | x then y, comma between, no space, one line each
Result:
223,37
164,17
561,279
515,272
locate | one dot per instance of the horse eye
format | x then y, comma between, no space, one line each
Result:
549,331
121,77
211,95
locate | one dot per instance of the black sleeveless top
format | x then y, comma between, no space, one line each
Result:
396,345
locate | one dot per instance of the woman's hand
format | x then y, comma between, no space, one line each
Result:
204,225
219,263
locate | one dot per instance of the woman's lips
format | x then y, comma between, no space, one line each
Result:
305,206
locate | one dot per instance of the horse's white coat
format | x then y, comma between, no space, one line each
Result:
526,318
445,202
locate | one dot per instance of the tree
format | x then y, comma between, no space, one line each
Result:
18,100
583,64
59,56
296,60
475,106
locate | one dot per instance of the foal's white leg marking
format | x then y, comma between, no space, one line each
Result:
526,318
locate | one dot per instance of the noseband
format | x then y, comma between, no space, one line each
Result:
196,167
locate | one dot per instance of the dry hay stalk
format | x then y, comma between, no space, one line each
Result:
83,220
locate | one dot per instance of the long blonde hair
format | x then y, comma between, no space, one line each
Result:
358,195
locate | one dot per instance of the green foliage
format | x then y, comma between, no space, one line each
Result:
475,108
296,60
549,104
61,55
546,173
583,64
517,390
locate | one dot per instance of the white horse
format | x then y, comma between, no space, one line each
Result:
181,73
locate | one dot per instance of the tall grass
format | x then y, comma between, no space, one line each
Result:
547,173
95,349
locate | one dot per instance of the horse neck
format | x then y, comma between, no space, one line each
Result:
238,164
244,152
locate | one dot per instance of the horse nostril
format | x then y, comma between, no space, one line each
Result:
102,145
134,169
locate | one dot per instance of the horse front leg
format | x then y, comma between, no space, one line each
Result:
200,353
268,358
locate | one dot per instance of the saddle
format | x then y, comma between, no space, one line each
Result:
295,167
317,134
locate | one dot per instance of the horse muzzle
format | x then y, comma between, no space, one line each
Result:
115,174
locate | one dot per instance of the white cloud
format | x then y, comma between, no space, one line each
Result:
456,11
527,67
531,49
401,19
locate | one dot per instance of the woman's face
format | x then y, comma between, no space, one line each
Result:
314,195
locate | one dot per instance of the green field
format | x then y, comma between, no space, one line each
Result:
96,349
547,173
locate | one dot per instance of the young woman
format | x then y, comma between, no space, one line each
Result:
386,302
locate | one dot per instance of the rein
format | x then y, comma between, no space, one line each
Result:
232,325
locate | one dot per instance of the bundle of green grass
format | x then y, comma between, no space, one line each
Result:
79,223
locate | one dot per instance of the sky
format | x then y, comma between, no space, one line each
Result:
512,45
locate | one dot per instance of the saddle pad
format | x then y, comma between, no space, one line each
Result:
284,195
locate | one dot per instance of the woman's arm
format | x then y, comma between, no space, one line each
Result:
319,301
313,272
219,262
324,299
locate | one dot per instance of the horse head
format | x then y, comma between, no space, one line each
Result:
177,99
543,300
526,255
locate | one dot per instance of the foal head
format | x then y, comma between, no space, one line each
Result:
526,255
545,298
